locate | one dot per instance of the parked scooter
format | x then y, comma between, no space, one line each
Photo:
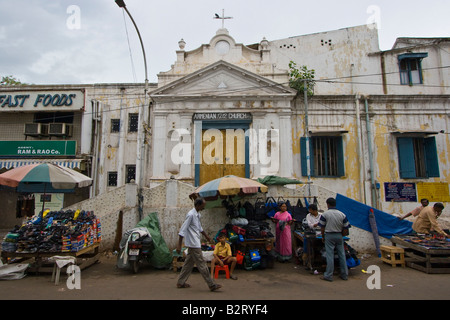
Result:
136,247
139,248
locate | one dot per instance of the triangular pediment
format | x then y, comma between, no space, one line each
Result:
223,79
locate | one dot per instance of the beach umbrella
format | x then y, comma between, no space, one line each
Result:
228,186
44,177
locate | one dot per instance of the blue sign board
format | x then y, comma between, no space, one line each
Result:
400,191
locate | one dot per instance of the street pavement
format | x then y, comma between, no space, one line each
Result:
285,281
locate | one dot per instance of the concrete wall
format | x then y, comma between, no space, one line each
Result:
436,75
339,54
107,208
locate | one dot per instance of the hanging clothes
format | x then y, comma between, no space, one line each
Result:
25,206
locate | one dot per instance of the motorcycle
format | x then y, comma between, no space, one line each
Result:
139,248
136,247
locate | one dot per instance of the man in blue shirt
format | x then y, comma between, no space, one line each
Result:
191,232
334,226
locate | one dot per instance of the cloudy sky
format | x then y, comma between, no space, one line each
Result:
94,41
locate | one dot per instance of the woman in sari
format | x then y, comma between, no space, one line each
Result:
283,244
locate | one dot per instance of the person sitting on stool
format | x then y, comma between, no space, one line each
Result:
222,255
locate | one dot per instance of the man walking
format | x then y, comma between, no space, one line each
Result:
334,225
191,232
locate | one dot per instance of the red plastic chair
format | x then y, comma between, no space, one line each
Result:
224,268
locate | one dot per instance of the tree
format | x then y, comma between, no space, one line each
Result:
298,76
10,81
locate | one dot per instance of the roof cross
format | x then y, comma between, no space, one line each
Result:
216,16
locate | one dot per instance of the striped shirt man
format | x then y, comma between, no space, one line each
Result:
333,221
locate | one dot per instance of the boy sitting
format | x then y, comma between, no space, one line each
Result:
222,255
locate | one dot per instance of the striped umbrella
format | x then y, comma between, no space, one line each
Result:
228,186
44,175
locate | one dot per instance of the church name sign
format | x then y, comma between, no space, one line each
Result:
221,116
42,100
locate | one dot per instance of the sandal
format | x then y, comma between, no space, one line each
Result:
215,287
181,286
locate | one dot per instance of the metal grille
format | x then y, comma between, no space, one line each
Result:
419,158
133,122
325,156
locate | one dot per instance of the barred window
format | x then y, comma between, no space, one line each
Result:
326,156
133,122
115,125
131,173
112,179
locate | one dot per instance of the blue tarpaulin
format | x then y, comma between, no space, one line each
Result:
358,215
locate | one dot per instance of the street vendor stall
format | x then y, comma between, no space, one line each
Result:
247,231
253,242
50,233
427,253
54,233
314,250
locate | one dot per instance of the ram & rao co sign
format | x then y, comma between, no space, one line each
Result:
35,148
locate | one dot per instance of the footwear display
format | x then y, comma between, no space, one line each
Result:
54,231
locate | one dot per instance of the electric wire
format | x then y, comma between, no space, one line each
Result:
223,93
133,70
196,95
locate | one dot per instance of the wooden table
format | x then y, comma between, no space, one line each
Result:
256,242
424,258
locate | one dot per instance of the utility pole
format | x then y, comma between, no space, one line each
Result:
143,115
308,156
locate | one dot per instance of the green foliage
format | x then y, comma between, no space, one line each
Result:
298,76
10,81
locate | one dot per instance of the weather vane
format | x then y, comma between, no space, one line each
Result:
222,17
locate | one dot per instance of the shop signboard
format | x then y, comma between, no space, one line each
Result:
37,148
433,191
53,201
400,192
51,100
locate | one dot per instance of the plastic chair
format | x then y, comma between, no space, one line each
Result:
60,262
219,268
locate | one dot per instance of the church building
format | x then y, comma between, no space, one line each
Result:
374,128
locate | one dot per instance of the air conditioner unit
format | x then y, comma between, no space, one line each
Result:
36,129
60,129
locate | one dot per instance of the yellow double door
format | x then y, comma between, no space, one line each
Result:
223,153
